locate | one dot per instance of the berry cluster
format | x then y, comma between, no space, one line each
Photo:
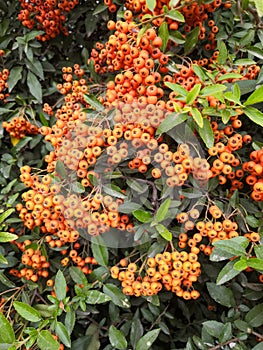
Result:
4,74
19,127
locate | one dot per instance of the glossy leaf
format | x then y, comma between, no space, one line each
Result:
96,297
147,340
234,246
94,102
151,4
197,116
117,338
164,232
171,121
254,114
34,86
192,94
255,97
163,33
60,285
206,133
27,312
227,273
175,15
100,250
162,210
212,90
14,77
62,333
255,316
45,341
7,335
191,40
221,294
222,56
142,215
117,297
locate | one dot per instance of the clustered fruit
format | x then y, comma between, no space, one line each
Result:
46,15
19,127
4,74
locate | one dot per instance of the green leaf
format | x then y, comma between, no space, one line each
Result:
176,37
234,246
45,341
129,207
114,191
142,215
117,338
229,76
198,118
100,8
191,40
27,312
252,221
227,273
14,77
241,264
255,51
77,275
259,251
255,316
140,34
221,294
259,7
221,47
192,94
254,114
163,33
151,4
100,250
77,187
3,259
175,15
5,214
136,186
214,328
255,97
7,237
60,286
206,133
162,210
94,102
164,232
259,346
34,86
213,90
147,340
117,297
61,169
7,335
177,88
256,264
136,330
171,121
226,333
22,143
62,333
95,297
70,320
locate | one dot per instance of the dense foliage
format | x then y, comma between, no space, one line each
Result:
131,172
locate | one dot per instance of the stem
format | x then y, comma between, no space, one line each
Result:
225,343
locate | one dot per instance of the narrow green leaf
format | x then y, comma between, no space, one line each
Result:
259,7
206,133
34,86
256,264
114,191
254,114
200,72
129,207
241,264
162,210
221,294
45,341
164,232
171,121
214,328
226,332
5,214
234,246
198,118
77,275
151,4
7,237
95,297
100,8
94,102
213,90
163,33
140,34
60,285
221,47
61,169
70,320
77,187
14,76
255,97
62,333
255,316
3,259
142,215
227,273
175,15
259,251
100,250
255,51
147,340
229,76
117,338
177,88
191,40
136,186
7,335
27,312
117,297
192,94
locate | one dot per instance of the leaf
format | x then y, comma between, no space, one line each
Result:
222,56
147,340
27,312
60,286
77,275
254,114
255,316
198,118
14,77
5,214
117,338
256,264
7,237
129,207
171,121
62,333
259,7
192,94
234,246
175,15
164,232
163,33
22,143
226,333
151,4
94,102
114,191
241,264
221,294
100,8
70,320
135,185
162,210
255,51
177,88
214,328
45,341
34,86
229,76
7,335
77,187
61,169
95,297
140,34
191,40
3,259
142,215
227,273
259,251
136,330
213,90
117,297
99,250
252,221
255,97
206,133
